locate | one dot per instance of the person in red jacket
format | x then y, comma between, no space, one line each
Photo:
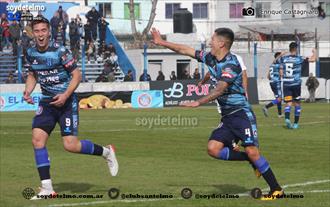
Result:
6,33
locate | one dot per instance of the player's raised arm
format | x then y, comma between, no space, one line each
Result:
313,57
30,84
178,48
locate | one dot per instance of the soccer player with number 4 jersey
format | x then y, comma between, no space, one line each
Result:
291,65
238,120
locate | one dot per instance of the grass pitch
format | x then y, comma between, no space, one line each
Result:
163,157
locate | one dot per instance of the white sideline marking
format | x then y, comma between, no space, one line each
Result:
240,194
143,128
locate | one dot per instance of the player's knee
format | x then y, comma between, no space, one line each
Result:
38,143
213,151
253,153
70,146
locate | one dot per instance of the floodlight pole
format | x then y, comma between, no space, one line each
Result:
203,46
317,61
255,60
145,59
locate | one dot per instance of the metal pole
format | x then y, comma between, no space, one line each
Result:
317,62
297,40
145,69
272,40
19,64
83,66
249,40
255,60
203,66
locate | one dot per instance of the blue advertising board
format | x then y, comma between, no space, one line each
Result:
15,102
147,99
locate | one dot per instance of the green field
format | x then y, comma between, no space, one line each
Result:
166,157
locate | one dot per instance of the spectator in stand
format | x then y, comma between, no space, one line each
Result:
88,33
28,29
80,25
197,75
145,77
73,32
103,29
25,43
160,76
312,84
10,78
102,50
114,60
74,38
91,51
186,75
93,17
109,50
1,38
54,23
3,18
15,33
5,33
129,76
64,19
173,76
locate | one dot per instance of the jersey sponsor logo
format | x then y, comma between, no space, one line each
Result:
176,91
227,75
35,62
69,64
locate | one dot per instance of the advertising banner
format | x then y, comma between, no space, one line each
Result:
179,91
15,102
147,99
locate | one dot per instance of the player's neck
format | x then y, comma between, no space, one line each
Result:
221,54
42,49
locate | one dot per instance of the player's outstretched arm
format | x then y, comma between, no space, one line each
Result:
178,48
30,84
215,93
59,99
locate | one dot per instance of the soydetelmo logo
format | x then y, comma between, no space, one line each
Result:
17,12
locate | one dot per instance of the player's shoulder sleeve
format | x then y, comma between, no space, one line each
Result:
67,59
230,72
240,61
28,59
202,56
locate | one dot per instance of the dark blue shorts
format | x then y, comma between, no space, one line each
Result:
276,88
292,93
67,116
240,125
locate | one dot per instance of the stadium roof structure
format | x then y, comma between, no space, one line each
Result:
285,30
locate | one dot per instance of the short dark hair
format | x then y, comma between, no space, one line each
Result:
293,46
38,20
277,54
226,33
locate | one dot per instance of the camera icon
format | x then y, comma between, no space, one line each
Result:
248,11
